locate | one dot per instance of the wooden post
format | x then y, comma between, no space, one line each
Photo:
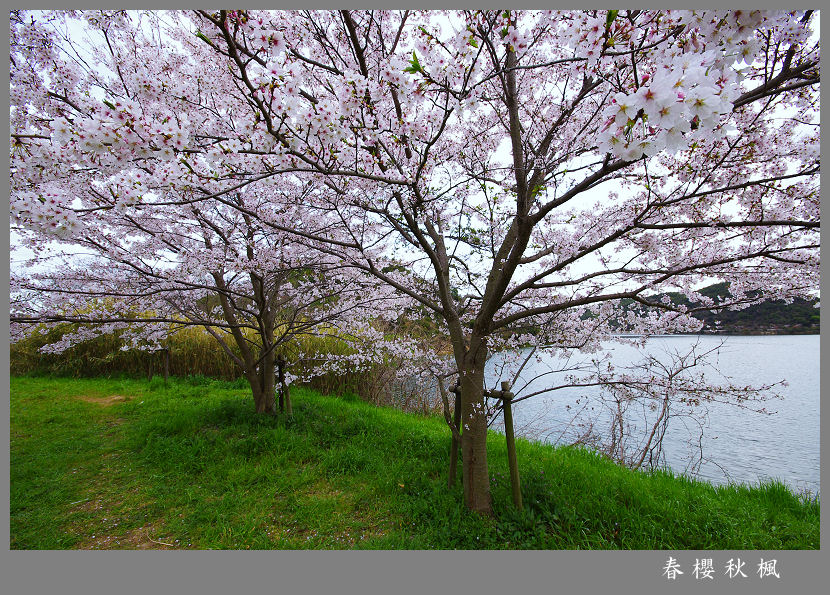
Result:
506,398
285,394
456,420
150,367
166,364
280,380
286,391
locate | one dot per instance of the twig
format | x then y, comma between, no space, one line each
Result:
160,542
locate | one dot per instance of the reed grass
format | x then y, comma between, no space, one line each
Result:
195,353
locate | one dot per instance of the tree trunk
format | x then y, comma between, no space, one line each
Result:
268,380
268,390
263,390
474,436
264,401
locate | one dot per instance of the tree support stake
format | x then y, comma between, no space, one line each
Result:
506,398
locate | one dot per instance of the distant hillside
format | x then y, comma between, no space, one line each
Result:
768,317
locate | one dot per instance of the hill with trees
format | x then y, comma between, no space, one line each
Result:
800,316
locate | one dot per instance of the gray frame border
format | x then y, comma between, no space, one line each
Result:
384,571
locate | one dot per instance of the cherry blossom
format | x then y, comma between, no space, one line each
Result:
505,171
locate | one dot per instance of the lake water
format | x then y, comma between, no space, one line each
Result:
738,445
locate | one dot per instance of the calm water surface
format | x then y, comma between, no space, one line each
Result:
738,445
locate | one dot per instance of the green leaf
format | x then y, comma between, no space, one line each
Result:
108,104
204,38
187,165
612,14
414,66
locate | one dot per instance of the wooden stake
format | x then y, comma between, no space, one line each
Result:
456,420
507,397
285,394
280,380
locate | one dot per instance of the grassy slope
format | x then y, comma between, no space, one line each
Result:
191,466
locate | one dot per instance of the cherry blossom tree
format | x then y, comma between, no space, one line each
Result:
508,171
252,289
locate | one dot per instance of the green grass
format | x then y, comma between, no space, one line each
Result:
128,464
